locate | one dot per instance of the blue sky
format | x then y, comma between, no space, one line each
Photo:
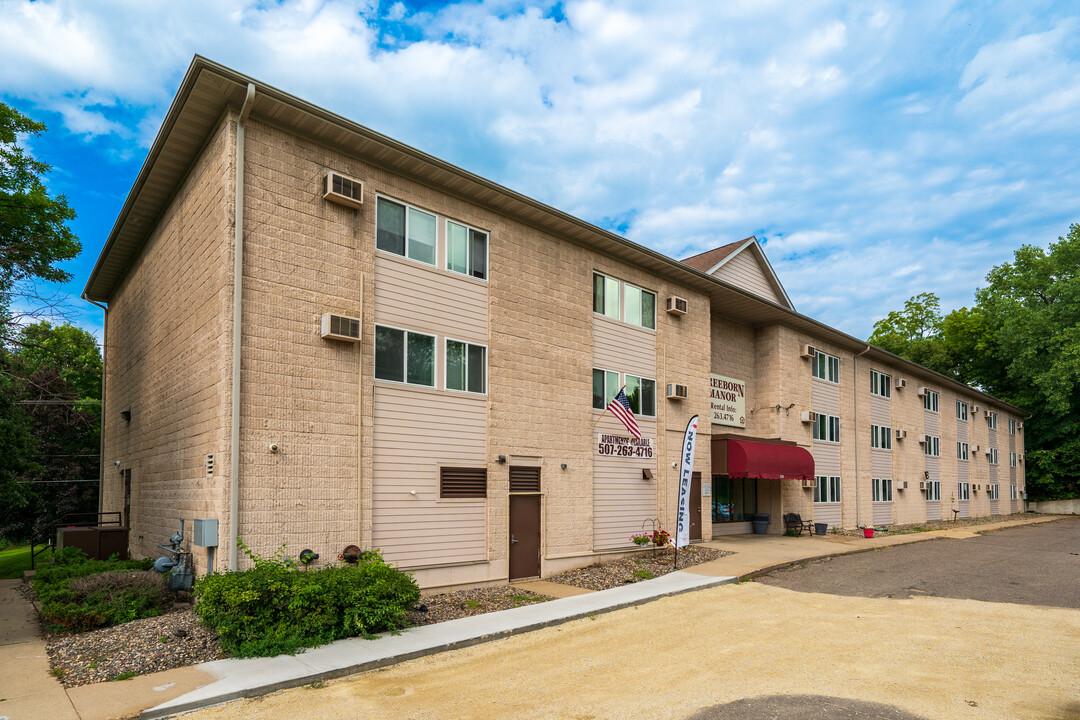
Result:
879,149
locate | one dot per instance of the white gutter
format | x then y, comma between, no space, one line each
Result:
856,396
101,429
238,289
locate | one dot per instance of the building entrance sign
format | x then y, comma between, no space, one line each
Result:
727,397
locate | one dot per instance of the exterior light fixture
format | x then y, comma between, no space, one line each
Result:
502,459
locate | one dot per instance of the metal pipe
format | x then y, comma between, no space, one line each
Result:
238,290
101,427
858,481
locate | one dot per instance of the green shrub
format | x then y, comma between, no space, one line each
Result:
77,593
275,608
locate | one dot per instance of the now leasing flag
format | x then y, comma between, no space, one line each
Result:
620,408
682,532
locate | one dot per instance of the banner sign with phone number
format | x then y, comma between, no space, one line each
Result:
625,446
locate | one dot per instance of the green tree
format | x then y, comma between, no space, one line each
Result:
915,333
34,236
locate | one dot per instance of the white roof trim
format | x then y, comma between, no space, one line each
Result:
752,241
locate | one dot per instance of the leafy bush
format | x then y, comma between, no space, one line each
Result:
79,594
275,608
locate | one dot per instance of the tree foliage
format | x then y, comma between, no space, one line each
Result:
1021,343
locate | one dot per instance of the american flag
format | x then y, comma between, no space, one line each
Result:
620,408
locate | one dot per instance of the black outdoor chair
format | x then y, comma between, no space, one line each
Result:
794,523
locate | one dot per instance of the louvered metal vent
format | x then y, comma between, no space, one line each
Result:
339,327
462,482
210,465
524,479
344,190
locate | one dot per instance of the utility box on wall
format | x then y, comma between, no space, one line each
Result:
204,532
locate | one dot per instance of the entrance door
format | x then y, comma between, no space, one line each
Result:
524,536
695,506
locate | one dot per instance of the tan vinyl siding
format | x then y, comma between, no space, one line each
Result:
831,513
826,396
883,513
965,508
621,498
933,510
412,296
744,272
415,431
826,458
880,411
881,463
621,347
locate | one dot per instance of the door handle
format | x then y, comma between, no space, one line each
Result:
512,540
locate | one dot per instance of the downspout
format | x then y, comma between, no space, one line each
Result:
858,482
238,289
101,429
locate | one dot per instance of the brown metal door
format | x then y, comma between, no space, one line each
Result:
695,506
524,536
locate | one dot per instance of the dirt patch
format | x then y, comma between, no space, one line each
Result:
466,603
1031,565
604,576
803,707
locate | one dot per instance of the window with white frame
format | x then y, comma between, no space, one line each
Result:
961,410
963,491
961,451
933,490
1012,492
827,490
403,356
880,384
404,230
1012,426
882,490
993,456
930,400
466,367
991,420
994,491
827,428
1012,459
880,437
826,367
622,301
466,250
932,446
641,393
605,384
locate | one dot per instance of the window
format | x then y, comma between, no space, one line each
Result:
404,357
930,400
961,451
1012,492
827,490
466,250
1012,459
963,491
462,482
932,446
638,306
961,410
882,490
880,384
466,367
826,367
404,230
881,437
605,384
991,420
933,490
993,491
827,428
993,456
1012,426
641,392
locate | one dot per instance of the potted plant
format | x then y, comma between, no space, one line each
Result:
660,538
642,540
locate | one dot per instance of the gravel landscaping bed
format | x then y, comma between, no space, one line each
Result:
645,566
465,603
135,648
940,524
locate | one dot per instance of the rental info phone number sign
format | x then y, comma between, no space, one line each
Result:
624,446
727,396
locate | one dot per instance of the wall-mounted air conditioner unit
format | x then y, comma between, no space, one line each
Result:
1020,458
808,416
343,190
900,434
988,413
974,448
809,483
339,327
676,391
988,452
900,383
922,391
974,409
676,305
809,351
922,439
1019,426
900,484
923,485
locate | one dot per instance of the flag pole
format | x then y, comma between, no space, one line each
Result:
606,407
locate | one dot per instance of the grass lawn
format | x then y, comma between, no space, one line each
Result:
13,561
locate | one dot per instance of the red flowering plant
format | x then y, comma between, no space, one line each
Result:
660,538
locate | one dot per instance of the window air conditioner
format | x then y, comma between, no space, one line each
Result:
676,391
809,416
922,439
974,409
900,434
809,482
343,190
900,383
987,414
900,484
339,327
676,305
988,452
1019,426
923,485
922,391
1020,458
809,351
974,448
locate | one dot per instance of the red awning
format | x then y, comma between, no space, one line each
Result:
764,460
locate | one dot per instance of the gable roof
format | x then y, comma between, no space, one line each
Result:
708,259
712,262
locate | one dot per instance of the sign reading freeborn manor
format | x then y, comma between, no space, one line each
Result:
728,399
624,446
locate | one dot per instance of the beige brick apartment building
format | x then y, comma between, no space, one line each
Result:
453,425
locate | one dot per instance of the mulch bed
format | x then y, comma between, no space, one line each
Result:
644,566
938,524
